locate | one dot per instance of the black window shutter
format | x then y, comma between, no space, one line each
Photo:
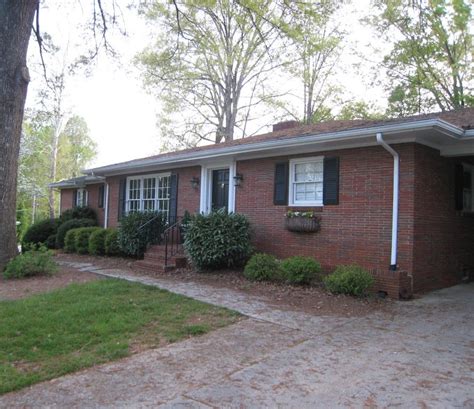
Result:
173,209
459,186
280,194
74,198
101,197
121,199
331,181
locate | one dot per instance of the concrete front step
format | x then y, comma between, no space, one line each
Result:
154,267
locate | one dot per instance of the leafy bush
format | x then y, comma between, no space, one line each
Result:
111,242
51,242
352,280
37,261
82,238
133,238
262,267
218,240
71,224
40,231
300,270
97,242
78,213
70,240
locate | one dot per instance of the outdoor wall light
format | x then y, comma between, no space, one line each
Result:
238,179
195,182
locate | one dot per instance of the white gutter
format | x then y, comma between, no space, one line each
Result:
453,131
396,183
106,204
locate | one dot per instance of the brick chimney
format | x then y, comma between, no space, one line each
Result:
280,126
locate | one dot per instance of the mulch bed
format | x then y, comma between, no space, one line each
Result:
310,299
20,288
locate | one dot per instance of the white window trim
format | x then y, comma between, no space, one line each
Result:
85,197
293,162
141,177
206,186
467,166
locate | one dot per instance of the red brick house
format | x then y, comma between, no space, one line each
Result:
394,196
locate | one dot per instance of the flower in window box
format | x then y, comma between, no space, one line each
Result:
304,222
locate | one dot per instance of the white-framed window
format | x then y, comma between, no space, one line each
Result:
306,181
81,198
468,188
148,193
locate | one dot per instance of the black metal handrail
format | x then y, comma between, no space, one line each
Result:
172,236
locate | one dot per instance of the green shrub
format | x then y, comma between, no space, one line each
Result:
37,261
40,231
51,242
82,238
78,213
71,224
218,240
111,242
351,280
262,267
70,240
97,242
133,239
300,270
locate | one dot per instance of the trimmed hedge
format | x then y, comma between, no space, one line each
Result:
70,240
51,241
349,279
133,239
37,261
111,242
78,213
262,267
218,240
40,232
97,242
300,270
71,224
82,238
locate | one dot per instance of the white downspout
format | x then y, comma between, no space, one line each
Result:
396,183
106,212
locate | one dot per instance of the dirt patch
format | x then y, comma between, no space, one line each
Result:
310,299
21,288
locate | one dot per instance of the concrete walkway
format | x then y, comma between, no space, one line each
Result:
422,356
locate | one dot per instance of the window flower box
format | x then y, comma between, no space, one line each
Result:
303,222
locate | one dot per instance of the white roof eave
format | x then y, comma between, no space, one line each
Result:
352,134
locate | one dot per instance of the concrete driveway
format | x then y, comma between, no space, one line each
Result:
421,356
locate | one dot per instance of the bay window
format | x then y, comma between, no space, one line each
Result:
148,193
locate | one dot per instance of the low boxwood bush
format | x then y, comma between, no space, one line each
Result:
97,242
51,242
78,213
218,240
351,280
37,261
70,240
300,270
71,224
82,238
39,232
138,230
262,267
111,242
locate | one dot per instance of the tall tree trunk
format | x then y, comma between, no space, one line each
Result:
16,19
54,166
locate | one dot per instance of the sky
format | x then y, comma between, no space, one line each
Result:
121,116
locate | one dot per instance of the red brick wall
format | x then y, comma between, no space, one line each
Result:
188,198
93,201
357,230
444,237
67,197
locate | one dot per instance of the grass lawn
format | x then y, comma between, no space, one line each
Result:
51,334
